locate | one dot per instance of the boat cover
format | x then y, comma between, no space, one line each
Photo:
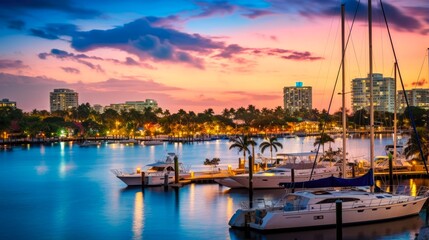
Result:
365,180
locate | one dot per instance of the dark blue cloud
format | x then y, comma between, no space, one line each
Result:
43,34
60,54
255,13
147,39
320,8
214,8
16,24
65,6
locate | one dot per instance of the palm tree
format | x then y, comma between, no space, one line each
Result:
412,147
324,138
242,143
270,143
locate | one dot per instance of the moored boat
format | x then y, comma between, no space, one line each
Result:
154,174
90,144
317,207
152,142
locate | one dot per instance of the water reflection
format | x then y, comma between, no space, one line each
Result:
138,223
406,228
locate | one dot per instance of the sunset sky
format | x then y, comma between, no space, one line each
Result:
195,55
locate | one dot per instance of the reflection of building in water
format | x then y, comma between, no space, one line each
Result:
138,216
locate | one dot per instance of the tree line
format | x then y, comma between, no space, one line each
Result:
84,121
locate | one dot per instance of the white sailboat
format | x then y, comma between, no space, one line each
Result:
317,208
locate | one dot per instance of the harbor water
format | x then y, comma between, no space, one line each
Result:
63,191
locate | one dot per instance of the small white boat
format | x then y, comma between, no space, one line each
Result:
152,142
317,208
89,144
128,141
154,174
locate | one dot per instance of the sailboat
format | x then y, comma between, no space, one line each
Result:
317,207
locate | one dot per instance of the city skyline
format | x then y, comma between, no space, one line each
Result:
195,55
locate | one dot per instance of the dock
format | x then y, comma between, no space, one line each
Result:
207,177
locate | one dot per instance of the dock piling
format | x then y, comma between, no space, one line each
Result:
339,217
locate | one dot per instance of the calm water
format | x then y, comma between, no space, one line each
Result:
63,191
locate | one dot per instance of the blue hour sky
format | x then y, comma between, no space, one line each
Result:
195,55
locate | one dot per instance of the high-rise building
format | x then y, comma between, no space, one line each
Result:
297,97
383,93
63,99
418,97
6,103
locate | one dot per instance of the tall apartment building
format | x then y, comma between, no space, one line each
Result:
383,93
63,99
137,105
6,103
418,97
297,97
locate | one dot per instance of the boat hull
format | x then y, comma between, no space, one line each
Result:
261,182
136,180
229,182
276,220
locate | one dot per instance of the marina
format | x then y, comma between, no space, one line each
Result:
72,194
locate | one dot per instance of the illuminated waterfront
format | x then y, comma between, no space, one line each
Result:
63,191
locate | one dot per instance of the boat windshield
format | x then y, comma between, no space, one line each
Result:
295,203
156,169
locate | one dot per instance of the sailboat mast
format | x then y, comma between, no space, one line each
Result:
394,120
343,88
371,100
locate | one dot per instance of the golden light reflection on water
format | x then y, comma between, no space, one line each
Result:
413,187
192,199
229,206
138,216
408,189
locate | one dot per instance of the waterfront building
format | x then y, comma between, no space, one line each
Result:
137,105
297,97
63,99
6,103
383,93
418,97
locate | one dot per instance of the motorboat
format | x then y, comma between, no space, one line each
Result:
153,174
271,178
152,142
317,208
302,164
128,141
90,144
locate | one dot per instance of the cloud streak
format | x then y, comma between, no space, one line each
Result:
12,64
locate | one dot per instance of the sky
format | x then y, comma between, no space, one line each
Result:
195,55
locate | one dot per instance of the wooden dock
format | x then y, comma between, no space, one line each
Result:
207,177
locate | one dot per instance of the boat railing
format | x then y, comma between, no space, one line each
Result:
123,171
354,205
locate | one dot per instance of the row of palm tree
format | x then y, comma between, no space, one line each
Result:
244,144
